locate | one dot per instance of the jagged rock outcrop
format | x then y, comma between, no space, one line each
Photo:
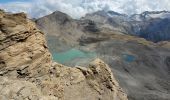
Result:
93,83
27,72
23,50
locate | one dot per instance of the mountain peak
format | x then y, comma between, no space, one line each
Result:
59,13
58,17
113,13
104,13
154,12
147,15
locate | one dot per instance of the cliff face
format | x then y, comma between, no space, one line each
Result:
23,51
27,72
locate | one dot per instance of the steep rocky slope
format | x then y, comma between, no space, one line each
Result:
140,66
27,71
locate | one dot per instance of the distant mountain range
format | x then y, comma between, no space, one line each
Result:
153,26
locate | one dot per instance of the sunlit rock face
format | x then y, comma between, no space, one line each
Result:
28,73
23,47
140,66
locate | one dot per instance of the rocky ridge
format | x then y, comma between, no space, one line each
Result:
27,71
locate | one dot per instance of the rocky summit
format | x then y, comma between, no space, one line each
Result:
141,67
27,71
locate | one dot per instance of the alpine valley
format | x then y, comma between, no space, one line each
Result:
135,47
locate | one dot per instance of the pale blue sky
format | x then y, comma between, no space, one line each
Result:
7,1
78,8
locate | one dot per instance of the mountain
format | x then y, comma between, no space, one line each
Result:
27,71
140,66
110,20
151,15
64,25
153,26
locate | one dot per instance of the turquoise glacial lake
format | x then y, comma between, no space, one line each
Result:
71,54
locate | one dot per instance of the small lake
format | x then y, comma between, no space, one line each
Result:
129,58
67,56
